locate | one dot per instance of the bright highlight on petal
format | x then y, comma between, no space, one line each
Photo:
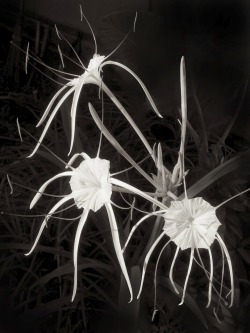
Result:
90,184
191,223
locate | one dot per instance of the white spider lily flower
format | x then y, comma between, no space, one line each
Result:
91,75
91,188
191,224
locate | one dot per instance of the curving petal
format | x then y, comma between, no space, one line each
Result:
78,89
127,116
109,62
145,264
210,277
44,223
117,146
136,191
187,276
229,266
171,270
46,112
76,246
43,187
133,230
156,267
117,246
51,118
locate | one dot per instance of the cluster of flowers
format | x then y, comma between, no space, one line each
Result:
190,223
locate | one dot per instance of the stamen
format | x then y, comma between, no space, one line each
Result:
117,206
50,151
19,129
129,168
135,21
235,196
216,316
31,189
46,215
57,32
74,51
10,184
133,205
201,264
73,61
61,56
92,31
53,70
124,38
27,58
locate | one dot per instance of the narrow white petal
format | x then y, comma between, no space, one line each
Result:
74,157
138,80
136,191
46,112
145,264
43,187
50,119
133,230
235,196
76,246
44,223
127,116
74,109
117,246
155,274
210,277
187,277
116,144
171,270
19,129
229,266
10,184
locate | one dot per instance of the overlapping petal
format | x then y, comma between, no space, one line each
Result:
191,223
90,184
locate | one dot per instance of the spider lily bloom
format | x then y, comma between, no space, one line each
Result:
191,224
91,188
91,75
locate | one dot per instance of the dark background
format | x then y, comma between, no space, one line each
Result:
214,38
